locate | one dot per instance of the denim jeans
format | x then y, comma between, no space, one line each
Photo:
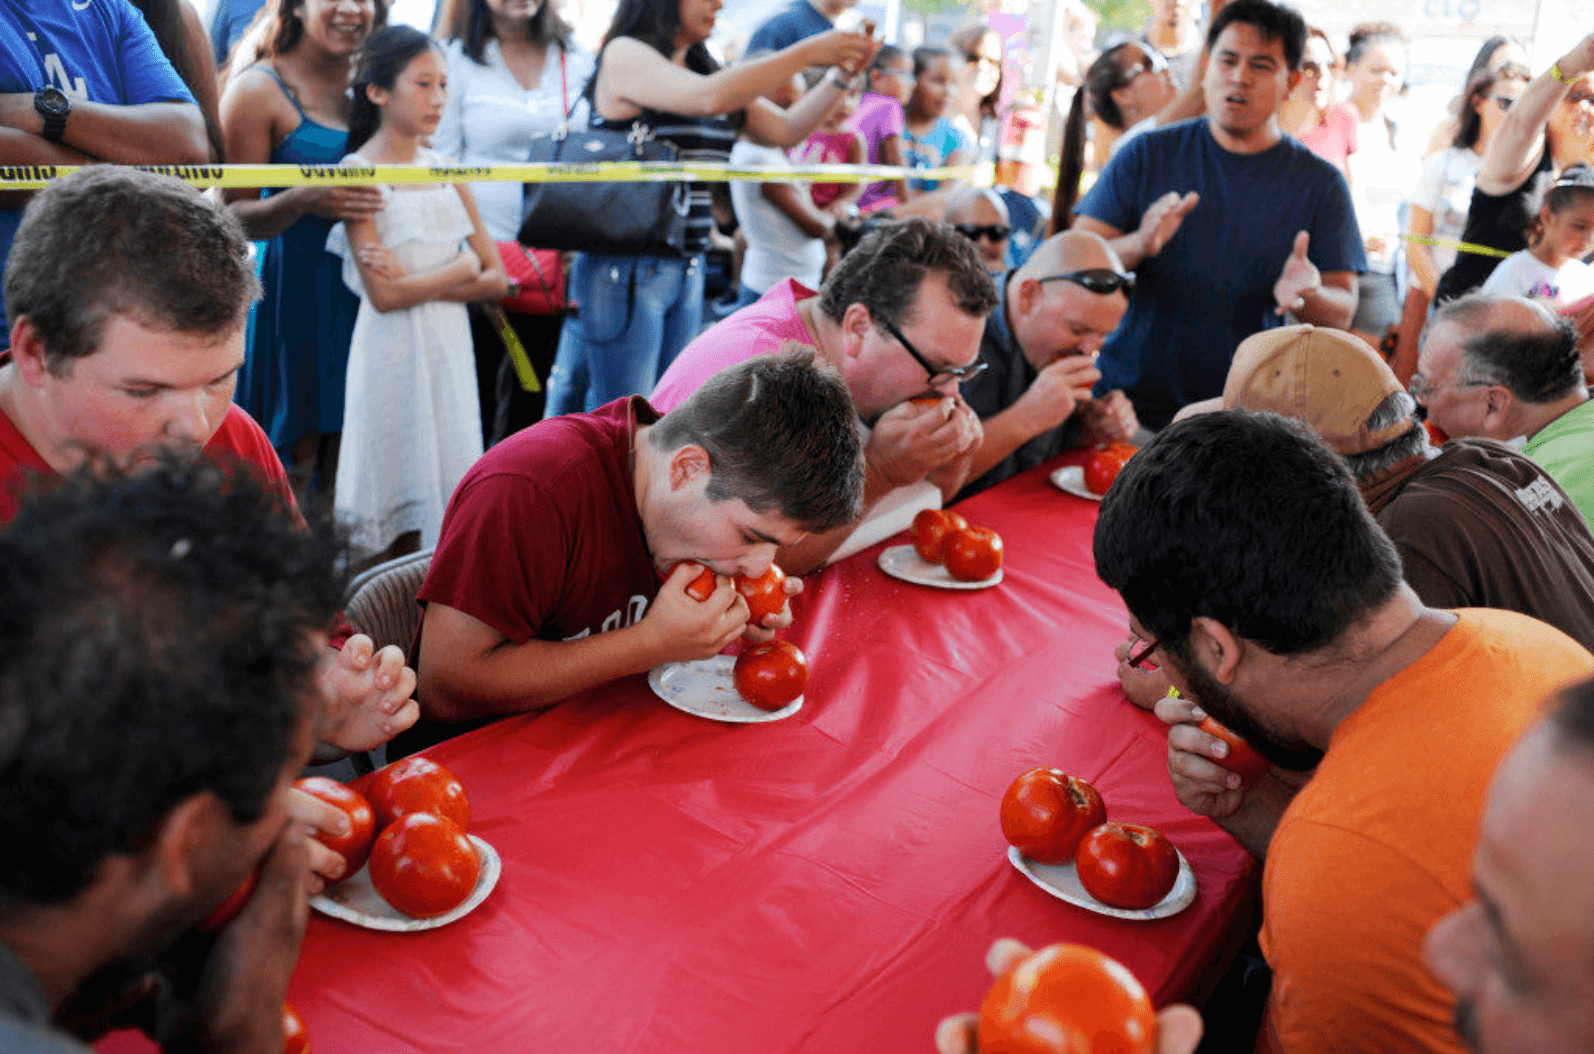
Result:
636,314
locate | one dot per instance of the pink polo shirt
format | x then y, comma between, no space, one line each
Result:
759,328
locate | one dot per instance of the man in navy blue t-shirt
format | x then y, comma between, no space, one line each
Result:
801,20
86,81
1230,223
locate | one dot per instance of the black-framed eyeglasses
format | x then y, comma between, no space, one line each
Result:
938,374
1138,658
1098,280
996,232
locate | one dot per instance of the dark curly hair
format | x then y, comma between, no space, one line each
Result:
155,643
1248,519
781,434
108,241
890,262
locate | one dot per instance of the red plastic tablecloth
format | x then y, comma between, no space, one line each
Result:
825,883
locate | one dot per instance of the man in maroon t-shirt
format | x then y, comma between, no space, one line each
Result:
547,575
129,294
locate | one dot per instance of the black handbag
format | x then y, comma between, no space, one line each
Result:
620,219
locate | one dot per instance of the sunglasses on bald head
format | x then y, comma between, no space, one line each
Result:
1098,280
995,232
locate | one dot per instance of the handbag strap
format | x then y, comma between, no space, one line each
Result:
542,279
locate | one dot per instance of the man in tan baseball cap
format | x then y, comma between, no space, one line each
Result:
1476,524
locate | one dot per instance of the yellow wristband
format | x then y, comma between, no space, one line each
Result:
1555,71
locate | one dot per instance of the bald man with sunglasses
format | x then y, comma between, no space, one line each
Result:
1034,401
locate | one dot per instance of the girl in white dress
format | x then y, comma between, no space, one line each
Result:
412,421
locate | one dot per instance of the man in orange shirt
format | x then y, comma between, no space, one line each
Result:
1275,603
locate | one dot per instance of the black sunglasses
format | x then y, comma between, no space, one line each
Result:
938,375
996,232
1098,280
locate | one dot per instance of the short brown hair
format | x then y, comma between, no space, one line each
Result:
886,269
781,433
108,241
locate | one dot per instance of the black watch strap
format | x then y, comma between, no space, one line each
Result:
54,105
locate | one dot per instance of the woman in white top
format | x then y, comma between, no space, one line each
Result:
1438,207
1380,173
513,71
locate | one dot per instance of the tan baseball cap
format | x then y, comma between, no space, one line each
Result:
1325,377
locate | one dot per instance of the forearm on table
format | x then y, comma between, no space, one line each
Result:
513,678
1004,433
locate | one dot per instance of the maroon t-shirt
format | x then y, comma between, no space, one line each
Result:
542,539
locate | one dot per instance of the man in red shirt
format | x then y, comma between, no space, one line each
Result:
129,294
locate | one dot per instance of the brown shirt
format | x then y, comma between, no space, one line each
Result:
1480,525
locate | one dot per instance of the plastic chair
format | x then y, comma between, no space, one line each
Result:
382,605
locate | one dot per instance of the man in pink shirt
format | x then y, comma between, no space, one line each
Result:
900,318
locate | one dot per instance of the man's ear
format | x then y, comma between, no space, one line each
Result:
687,463
181,838
27,351
1295,78
1218,649
856,322
1496,409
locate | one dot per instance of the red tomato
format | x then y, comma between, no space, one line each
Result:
424,865
1046,812
1243,757
972,554
771,674
766,594
228,909
1128,450
415,785
1435,434
294,1039
1067,999
699,588
930,528
356,845
1124,865
1102,467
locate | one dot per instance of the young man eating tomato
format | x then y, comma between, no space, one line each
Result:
556,569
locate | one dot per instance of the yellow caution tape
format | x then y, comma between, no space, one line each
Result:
1460,247
36,177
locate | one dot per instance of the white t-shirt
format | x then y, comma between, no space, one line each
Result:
1523,274
1379,176
1445,189
489,118
777,248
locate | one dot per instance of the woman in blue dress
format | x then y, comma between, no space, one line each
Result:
291,106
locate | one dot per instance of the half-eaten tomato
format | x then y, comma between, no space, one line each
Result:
765,595
1046,812
1242,758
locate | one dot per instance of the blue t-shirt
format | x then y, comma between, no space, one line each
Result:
228,23
798,22
99,51
932,149
1212,284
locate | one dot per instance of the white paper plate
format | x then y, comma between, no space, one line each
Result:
1062,882
1072,479
707,688
356,900
900,561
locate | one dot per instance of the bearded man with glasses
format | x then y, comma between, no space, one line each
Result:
1041,343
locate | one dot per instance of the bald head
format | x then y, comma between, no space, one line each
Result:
1052,318
1510,341
1070,251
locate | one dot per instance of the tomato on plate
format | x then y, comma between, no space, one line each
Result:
771,674
228,909
1067,999
930,528
699,588
424,865
356,845
1243,758
415,785
765,595
1124,865
294,1038
1102,468
972,554
1046,812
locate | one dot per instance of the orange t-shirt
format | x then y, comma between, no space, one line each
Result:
1378,847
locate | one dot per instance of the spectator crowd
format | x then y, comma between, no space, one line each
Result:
1390,328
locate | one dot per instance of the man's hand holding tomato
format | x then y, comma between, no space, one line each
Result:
758,631
1144,685
911,440
1060,388
313,814
681,628
1178,1026
368,696
1110,419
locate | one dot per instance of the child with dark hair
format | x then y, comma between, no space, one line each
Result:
1552,266
412,425
878,119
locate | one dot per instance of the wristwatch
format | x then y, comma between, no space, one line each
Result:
55,106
